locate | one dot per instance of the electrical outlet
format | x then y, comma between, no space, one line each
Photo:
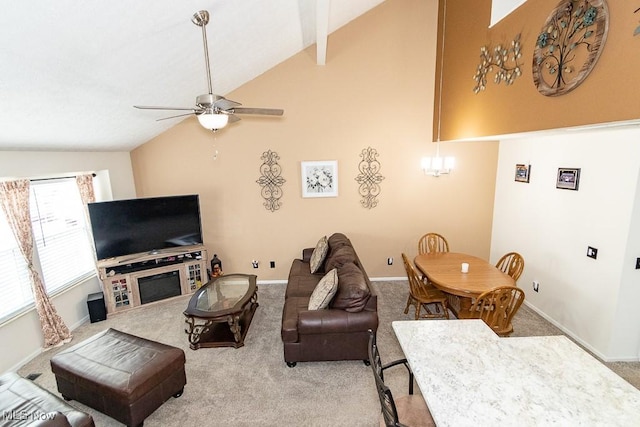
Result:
272,264
592,252
536,286
254,263
390,261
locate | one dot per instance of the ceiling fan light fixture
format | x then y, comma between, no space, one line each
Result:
213,121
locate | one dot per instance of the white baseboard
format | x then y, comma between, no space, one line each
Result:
39,351
271,282
577,339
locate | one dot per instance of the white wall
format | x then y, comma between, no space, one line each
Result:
114,180
595,301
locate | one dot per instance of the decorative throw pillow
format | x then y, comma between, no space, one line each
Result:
324,291
319,253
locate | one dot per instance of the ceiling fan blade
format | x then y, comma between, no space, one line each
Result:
151,107
233,119
262,111
225,104
173,117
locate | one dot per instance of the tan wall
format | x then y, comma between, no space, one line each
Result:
375,91
608,94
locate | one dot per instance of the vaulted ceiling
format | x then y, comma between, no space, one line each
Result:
71,71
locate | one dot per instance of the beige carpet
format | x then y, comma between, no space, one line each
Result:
252,386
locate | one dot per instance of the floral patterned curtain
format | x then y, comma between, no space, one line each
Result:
14,199
87,195
85,186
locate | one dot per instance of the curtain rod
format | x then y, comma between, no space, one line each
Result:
58,177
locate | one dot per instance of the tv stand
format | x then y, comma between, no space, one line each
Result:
166,273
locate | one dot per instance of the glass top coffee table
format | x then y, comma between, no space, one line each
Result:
220,312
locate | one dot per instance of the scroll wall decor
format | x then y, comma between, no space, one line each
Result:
369,178
569,45
271,180
504,60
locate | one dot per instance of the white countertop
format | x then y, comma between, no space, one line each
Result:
471,377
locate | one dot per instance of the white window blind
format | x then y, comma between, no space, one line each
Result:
63,251
60,233
15,291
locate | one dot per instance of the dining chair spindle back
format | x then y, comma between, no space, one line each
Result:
422,294
496,307
512,264
432,242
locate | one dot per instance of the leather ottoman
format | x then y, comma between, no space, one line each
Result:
121,375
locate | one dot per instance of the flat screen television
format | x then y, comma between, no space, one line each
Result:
126,227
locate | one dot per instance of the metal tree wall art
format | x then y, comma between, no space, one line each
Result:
569,44
503,59
270,180
369,178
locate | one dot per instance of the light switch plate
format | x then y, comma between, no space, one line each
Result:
592,252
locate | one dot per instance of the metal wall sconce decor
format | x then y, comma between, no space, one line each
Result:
271,180
503,59
569,45
637,30
369,178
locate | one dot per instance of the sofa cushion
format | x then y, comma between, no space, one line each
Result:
324,291
339,257
353,291
337,240
22,396
319,254
302,286
50,419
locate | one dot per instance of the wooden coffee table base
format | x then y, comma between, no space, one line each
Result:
223,331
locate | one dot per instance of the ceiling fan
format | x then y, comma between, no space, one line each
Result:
213,111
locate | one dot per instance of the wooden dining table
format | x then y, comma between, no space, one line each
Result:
444,270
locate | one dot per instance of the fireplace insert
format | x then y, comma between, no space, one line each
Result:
159,286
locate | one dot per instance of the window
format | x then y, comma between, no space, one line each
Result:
63,251
15,288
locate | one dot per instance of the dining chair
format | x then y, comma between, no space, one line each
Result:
411,409
432,242
497,306
512,264
423,294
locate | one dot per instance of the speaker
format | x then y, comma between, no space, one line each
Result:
97,309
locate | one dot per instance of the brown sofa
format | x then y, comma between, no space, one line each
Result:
340,331
24,403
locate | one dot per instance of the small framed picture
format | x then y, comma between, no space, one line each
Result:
319,178
522,172
568,178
